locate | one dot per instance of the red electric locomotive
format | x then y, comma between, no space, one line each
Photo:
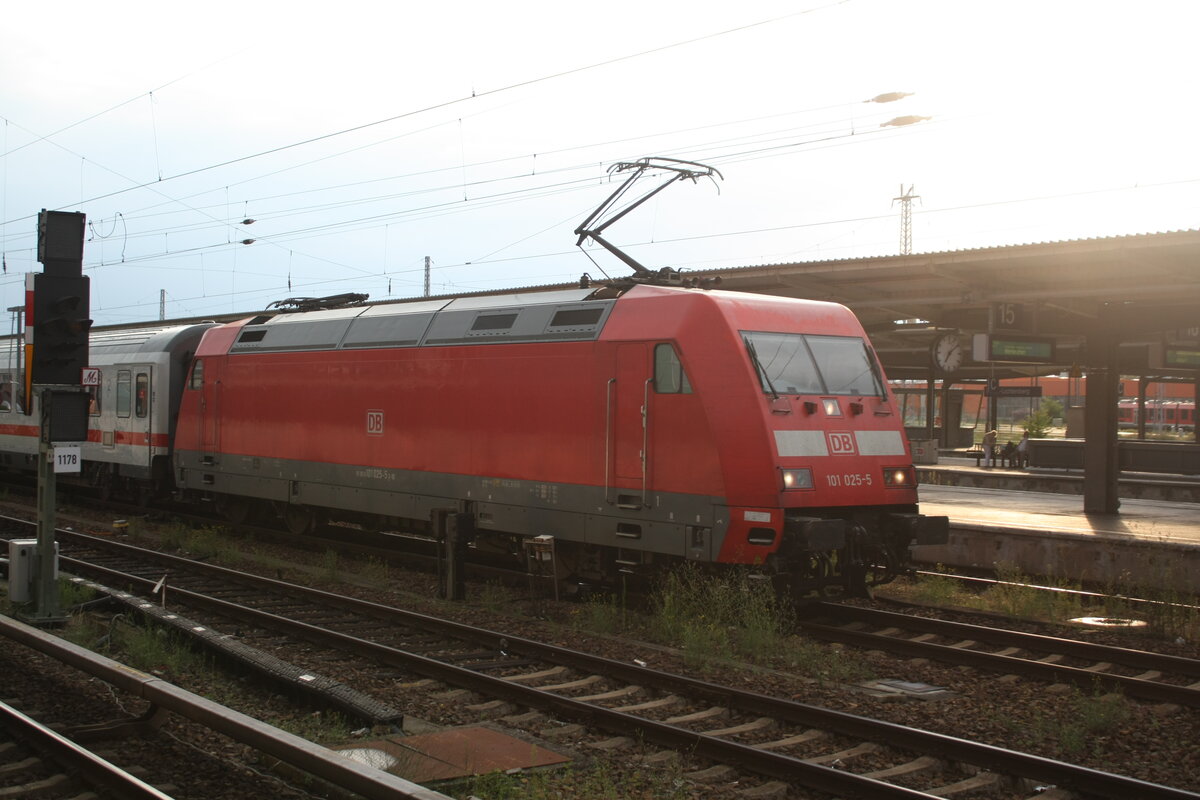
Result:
637,426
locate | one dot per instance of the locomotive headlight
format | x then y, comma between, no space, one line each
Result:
796,479
899,477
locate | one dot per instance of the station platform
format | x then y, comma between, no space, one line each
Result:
962,471
1150,543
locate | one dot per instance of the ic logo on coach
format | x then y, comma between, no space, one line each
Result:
374,422
841,444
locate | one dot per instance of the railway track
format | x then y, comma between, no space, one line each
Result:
38,761
768,741
1144,675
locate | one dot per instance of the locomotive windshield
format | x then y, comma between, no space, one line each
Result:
792,363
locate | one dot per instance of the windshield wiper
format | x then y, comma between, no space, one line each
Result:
760,369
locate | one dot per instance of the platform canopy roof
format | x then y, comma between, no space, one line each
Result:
1144,289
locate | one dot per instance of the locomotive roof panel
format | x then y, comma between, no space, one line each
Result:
544,316
392,325
304,334
521,300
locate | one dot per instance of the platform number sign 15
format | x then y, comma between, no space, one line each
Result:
374,422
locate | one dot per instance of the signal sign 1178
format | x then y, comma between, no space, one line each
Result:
67,459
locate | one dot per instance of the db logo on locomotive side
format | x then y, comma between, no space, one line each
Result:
374,423
840,444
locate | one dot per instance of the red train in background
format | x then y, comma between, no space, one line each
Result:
637,426
1167,414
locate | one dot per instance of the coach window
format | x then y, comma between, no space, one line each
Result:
124,395
93,393
197,379
141,398
6,392
669,377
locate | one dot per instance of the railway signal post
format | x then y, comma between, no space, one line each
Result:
56,346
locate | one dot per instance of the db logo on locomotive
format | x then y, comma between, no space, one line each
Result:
374,423
841,443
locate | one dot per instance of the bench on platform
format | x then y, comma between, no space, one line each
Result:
1006,456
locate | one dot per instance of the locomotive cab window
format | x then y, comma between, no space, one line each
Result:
846,364
669,377
196,381
124,393
792,363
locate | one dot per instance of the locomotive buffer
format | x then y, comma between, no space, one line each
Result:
57,305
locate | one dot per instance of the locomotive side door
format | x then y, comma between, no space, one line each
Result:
627,418
210,405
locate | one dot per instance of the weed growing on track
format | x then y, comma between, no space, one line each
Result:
721,617
212,543
72,593
1016,596
143,646
602,614
825,663
1170,614
601,780
717,616
940,590
174,537
85,630
321,727
1085,721
150,649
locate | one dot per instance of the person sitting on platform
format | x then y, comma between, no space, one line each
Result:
1008,455
1023,451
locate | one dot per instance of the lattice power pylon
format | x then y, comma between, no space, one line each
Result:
905,199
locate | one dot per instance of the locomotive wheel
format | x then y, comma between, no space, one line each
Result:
300,520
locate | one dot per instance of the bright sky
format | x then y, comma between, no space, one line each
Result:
364,136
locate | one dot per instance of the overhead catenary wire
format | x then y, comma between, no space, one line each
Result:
475,95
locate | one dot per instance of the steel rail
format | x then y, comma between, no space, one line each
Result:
96,771
300,753
1142,659
1082,779
1133,686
